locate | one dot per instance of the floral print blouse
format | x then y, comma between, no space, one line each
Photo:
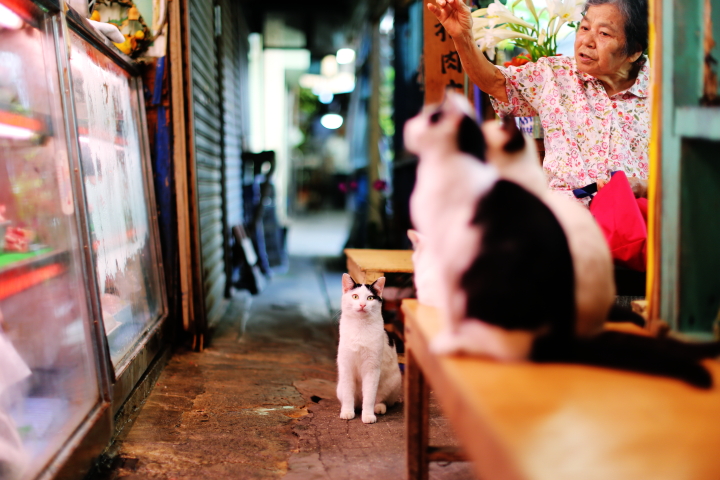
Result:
587,134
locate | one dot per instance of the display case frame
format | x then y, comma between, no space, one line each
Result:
124,376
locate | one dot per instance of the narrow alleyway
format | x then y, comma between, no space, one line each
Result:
261,404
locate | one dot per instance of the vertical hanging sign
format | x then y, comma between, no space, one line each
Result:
443,68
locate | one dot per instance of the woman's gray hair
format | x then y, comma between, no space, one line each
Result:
635,14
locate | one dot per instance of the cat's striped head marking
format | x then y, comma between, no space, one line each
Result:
362,297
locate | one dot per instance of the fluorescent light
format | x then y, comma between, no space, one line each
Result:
328,66
16,133
345,56
9,19
388,22
343,82
331,121
326,97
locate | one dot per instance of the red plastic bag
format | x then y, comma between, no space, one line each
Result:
621,219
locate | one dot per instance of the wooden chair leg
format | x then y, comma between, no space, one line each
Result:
417,426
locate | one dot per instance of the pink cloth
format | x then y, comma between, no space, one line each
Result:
587,134
620,217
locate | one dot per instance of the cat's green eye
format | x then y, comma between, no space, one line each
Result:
355,297
371,297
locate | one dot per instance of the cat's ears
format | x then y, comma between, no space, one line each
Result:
379,285
347,283
414,237
516,140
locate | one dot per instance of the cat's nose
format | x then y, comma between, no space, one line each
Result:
362,305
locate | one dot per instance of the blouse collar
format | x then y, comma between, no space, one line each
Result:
640,88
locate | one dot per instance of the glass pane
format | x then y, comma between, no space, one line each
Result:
112,156
48,376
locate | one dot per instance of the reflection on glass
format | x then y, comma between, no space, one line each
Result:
48,377
107,107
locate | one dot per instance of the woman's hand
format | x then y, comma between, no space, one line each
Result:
454,16
637,185
457,21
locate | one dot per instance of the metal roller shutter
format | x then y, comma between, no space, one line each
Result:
233,47
207,125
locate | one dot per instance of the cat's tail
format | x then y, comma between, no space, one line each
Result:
655,356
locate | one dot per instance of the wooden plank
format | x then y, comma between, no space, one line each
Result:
566,422
367,265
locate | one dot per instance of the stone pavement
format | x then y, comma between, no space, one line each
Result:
259,402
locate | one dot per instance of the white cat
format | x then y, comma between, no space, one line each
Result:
592,262
368,372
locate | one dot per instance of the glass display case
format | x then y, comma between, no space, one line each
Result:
50,368
82,298
114,164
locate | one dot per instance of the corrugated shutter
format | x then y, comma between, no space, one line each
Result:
208,155
233,76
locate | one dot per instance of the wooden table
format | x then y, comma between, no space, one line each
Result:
558,422
367,265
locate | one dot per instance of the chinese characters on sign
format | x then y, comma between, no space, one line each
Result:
443,68
451,61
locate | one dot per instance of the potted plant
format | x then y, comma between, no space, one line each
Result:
521,25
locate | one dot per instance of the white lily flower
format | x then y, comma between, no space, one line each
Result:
480,12
531,6
480,22
497,22
572,10
490,37
562,11
501,13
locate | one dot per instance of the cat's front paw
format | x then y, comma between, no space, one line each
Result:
369,418
380,408
347,414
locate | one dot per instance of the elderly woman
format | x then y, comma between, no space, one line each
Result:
594,107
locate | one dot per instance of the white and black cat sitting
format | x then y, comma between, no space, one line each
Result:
520,272
368,371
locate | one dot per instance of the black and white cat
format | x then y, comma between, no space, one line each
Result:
522,273
368,372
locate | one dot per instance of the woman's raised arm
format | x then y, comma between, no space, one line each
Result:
455,17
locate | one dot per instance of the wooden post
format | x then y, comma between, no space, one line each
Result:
655,157
417,427
374,132
175,52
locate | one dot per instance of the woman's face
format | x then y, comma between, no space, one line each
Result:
600,42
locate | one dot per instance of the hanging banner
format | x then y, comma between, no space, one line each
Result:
442,66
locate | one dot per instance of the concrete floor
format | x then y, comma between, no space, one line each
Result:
259,402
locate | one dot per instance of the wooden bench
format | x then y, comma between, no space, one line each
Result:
367,265
556,422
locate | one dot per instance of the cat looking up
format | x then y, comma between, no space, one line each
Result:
522,274
368,372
